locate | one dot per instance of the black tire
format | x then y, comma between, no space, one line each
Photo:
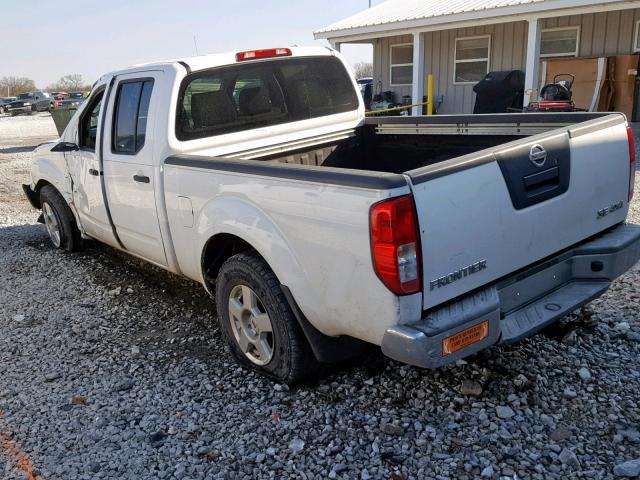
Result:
292,358
70,238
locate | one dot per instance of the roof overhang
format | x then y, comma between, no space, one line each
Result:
529,11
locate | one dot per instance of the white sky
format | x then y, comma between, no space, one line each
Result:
44,40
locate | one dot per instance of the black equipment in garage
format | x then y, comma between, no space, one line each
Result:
499,92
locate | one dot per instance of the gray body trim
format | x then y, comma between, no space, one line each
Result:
521,304
307,173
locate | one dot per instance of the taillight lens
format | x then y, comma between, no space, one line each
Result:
632,162
265,53
395,244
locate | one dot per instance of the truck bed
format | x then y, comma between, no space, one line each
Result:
400,144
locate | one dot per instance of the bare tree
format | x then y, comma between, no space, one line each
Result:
68,83
363,69
11,86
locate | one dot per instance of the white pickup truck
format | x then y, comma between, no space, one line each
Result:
315,229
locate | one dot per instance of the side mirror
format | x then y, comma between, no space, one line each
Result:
65,147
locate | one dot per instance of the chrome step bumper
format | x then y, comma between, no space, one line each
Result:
520,305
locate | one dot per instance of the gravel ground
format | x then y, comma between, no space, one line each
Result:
111,368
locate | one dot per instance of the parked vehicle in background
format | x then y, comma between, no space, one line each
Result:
256,174
58,97
4,102
72,99
366,91
30,102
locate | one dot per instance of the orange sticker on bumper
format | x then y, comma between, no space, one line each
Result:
466,337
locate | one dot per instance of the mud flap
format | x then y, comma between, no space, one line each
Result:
32,196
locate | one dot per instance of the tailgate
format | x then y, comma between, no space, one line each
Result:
491,213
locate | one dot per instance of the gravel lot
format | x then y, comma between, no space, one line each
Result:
110,368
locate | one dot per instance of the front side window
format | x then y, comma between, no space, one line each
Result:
255,95
89,123
559,42
401,70
471,59
130,119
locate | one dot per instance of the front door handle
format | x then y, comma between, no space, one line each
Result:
141,178
94,172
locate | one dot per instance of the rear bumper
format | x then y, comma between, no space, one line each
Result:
520,305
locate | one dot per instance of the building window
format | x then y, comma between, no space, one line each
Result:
636,38
401,71
471,59
559,42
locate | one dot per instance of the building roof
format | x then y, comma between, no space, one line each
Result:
396,14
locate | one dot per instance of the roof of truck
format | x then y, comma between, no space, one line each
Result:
201,62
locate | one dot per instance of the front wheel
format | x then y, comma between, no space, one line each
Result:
258,325
59,220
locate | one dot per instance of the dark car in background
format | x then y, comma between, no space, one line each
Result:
74,99
4,101
30,102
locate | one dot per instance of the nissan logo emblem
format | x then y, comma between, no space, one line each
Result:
538,155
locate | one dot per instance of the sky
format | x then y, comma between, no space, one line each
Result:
45,40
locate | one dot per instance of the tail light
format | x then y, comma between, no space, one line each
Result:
265,53
632,162
395,244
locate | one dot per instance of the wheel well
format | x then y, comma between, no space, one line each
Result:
218,249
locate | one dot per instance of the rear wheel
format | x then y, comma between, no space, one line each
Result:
258,325
59,220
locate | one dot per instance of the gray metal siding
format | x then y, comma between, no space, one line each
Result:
456,98
601,34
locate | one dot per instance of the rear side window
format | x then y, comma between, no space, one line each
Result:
130,118
261,94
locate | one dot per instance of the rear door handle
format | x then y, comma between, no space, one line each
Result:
94,172
141,178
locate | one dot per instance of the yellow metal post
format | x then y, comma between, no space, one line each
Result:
430,94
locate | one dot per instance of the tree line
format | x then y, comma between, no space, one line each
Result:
12,86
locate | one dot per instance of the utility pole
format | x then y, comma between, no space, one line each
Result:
195,44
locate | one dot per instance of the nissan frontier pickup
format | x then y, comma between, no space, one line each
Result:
316,229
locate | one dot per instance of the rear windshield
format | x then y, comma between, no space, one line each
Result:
254,95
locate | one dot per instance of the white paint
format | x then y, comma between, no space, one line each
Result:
543,78
596,90
532,61
419,74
